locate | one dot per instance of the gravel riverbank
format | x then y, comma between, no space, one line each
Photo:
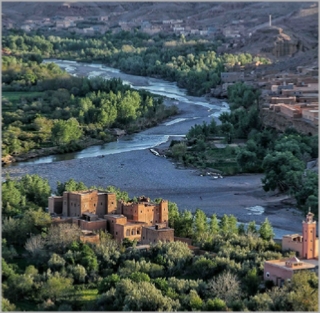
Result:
142,173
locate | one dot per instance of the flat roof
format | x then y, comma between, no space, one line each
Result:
132,223
115,215
282,264
159,229
89,214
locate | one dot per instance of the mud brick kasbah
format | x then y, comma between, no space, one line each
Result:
143,220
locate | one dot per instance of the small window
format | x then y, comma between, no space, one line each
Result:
111,221
101,203
116,233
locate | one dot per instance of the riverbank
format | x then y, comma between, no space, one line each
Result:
143,173
36,153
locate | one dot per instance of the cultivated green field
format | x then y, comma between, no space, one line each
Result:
17,95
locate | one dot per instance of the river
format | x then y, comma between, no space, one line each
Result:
128,165
147,139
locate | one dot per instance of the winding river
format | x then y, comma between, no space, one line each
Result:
129,166
147,139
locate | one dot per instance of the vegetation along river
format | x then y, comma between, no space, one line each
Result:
129,165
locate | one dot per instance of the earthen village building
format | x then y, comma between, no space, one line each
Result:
143,220
306,247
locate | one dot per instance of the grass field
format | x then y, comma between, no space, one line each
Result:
17,95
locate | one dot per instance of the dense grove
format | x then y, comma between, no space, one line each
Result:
44,269
282,157
43,106
192,63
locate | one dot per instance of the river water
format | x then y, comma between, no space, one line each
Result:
147,139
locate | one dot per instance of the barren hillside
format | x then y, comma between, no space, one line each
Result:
294,24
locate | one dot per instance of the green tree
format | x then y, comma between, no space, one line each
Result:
70,185
282,171
307,193
108,283
266,230
56,288
138,277
214,225
200,225
56,262
144,296
173,213
251,282
215,305
63,132
252,229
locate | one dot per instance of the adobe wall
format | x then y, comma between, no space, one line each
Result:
65,205
106,204
132,232
112,203
276,271
74,205
55,205
146,212
128,210
286,100
151,235
101,205
188,241
88,202
112,221
290,111
92,225
164,211
289,244
309,240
